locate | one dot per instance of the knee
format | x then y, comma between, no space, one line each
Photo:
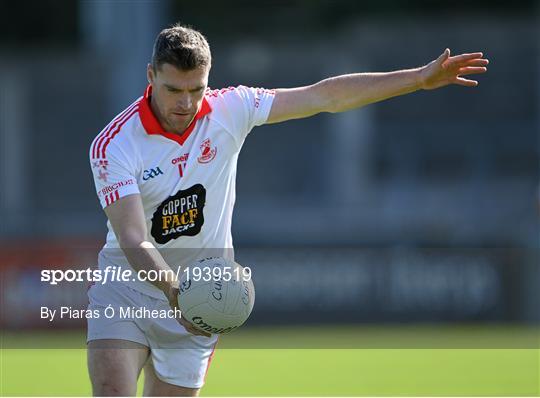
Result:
113,371
108,387
112,382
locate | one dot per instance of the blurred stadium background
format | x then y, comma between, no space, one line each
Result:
394,248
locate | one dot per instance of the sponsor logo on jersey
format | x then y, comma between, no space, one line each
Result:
113,187
181,161
179,215
151,173
207,152
260,93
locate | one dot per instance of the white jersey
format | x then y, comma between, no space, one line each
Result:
186,182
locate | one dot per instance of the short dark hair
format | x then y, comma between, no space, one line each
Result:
181,46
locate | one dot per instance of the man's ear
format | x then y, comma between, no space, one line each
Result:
150,73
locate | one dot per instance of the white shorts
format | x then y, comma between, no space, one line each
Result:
179,357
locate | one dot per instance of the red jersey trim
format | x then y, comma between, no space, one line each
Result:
116,131
152,126
120,119
111,198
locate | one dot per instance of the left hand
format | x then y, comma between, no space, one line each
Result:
447,70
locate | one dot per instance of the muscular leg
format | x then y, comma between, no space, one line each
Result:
154,387
114,366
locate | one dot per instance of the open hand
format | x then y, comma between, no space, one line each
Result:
447,70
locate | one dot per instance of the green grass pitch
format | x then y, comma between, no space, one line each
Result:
418,371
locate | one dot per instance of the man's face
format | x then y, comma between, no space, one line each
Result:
177,95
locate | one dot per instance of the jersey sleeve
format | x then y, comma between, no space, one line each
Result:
243,108
114,177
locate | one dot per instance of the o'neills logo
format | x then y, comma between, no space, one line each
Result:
201,324
207,152
179,215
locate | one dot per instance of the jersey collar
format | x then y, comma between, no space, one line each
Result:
152,126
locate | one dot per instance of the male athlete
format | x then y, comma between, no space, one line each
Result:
165,173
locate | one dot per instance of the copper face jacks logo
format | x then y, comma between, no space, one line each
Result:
179,215
207,152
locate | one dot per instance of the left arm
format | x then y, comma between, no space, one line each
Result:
345,92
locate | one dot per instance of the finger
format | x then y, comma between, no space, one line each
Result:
466,82
477,62
471,70
197,332
192,329
466,57
444,56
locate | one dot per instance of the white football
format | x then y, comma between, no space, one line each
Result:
216,294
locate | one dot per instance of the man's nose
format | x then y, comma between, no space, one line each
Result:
185,102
